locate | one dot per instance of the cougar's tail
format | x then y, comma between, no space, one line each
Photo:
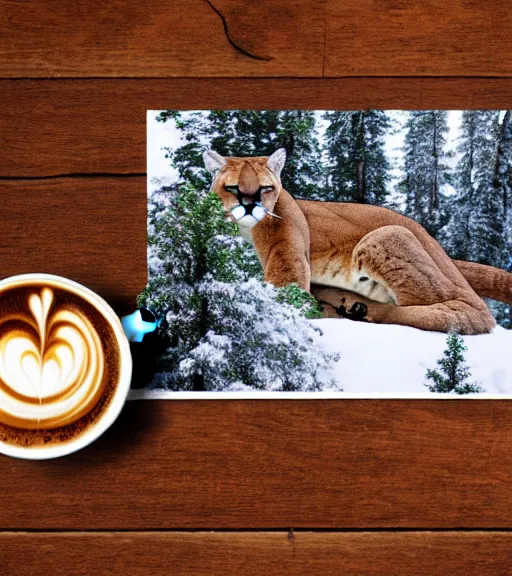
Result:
487,281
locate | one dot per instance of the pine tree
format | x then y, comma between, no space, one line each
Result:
480,226
224,328
357,165
502,185
503,179
476,229
454,372
250,133
456,236
425,168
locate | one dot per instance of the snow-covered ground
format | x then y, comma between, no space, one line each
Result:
390,361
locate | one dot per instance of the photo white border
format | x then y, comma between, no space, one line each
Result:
161,394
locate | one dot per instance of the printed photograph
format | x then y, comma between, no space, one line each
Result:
356,253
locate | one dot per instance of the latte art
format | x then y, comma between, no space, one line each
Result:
51,364
65,366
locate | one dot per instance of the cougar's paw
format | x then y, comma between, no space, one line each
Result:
357,311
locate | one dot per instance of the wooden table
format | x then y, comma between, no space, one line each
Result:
235,487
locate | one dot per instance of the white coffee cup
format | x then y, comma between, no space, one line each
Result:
65,366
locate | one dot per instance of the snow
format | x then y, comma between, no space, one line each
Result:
387,361
380,359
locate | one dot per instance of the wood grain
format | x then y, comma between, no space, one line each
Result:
257,554
92,230
95,126
427,38
274,465
236,38
55,38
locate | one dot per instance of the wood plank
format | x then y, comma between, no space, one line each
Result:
427,38
257,554
55,38
276,464
307,38
50,127
92,230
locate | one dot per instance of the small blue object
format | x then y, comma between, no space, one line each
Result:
138,324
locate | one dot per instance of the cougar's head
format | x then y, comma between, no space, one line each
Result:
248,187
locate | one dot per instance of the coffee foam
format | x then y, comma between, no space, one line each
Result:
59,365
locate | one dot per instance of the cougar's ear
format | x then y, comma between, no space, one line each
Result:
213,161
276,161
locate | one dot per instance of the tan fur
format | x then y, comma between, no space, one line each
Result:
351,253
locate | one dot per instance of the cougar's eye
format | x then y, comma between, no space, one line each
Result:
266,188
234,189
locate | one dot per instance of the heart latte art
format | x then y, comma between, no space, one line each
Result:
51,364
